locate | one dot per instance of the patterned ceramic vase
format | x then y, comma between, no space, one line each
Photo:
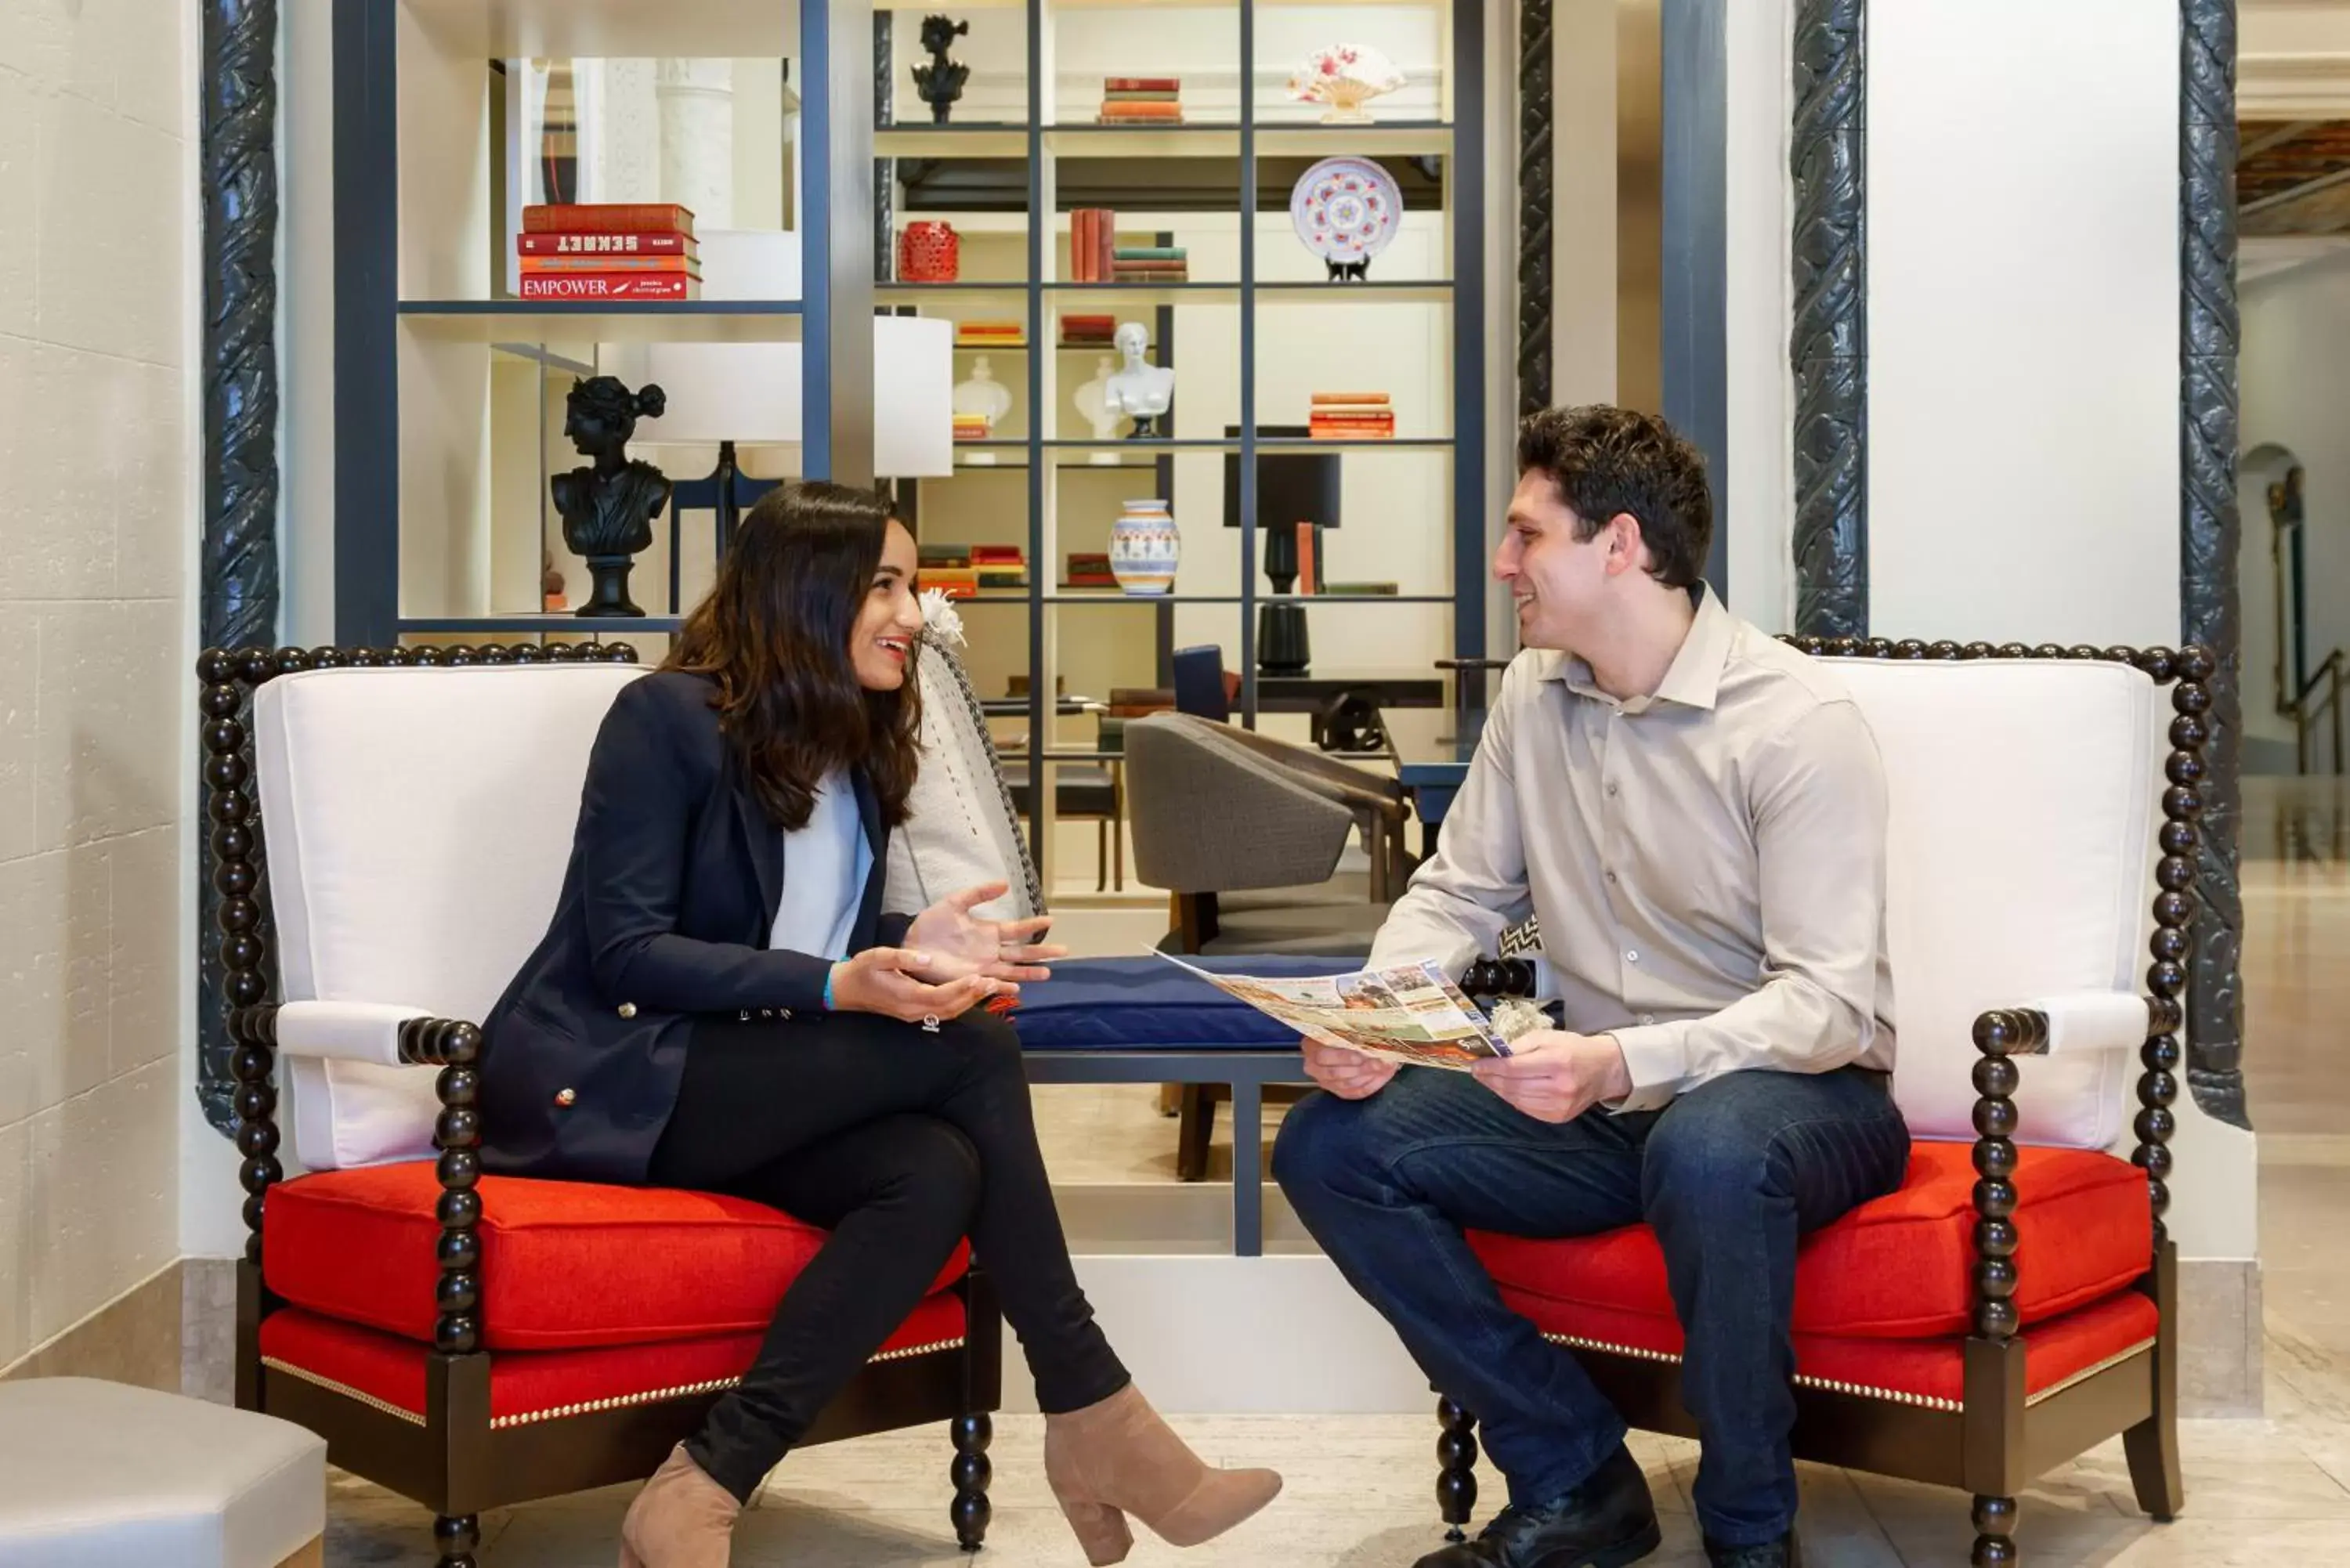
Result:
1144,546
930,252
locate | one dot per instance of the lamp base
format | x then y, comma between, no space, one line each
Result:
1282,647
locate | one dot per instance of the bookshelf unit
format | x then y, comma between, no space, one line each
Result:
429,547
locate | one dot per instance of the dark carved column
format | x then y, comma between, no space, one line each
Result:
238,577
1537,181
885,171
2207,339
1828,345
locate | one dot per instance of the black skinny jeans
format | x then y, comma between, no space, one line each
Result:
901,1143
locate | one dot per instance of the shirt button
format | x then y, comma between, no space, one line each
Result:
1632,957
1611,789
786,1015
1611,879
1647,1018
628,1010
744,1016
565,1096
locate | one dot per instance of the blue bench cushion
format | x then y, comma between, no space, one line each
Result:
1114,1004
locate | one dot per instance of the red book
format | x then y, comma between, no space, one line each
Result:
1107,237
688,265
1084,249
610,285
607,218
1142,84
627,245
1140,114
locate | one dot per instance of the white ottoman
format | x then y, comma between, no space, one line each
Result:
103,1475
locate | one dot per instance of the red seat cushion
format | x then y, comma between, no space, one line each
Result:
1898,1268
527,1386
566,1265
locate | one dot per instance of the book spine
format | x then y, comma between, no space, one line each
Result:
1142,84
1082,247
669,244
1139,95
1350,397
608,218
1141,114
685,265
1149,252
1105,243
610,285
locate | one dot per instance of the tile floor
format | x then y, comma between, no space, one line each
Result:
2264,1493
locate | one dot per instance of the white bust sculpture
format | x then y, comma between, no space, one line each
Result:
1138,389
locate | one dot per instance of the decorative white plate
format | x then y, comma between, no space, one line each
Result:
1346,210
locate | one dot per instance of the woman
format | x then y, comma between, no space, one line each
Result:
721,1005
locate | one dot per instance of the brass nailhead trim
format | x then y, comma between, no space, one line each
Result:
685,1390
650,1397
345,1390
1894,1396
1923,1401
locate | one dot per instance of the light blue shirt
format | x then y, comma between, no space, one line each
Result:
826,865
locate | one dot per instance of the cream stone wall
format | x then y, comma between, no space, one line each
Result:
96,234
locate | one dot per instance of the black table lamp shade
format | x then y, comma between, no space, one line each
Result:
1292,487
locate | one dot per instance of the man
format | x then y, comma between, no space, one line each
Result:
1697,814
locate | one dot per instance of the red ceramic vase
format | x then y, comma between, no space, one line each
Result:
928,252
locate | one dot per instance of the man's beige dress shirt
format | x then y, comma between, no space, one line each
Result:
1708,863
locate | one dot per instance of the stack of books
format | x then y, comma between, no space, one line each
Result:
1093,234
1351,416
990,334
948,568
1142,101
1000,566
1089,570
970,427
608,251
1150,264
1089,331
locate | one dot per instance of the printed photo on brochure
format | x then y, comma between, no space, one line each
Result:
1403,1012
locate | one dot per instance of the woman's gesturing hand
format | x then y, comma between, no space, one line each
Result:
888,980
955,943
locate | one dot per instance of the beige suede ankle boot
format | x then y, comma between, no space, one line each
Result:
681,1519
1117,1458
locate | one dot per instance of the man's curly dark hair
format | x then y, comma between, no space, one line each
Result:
1606,459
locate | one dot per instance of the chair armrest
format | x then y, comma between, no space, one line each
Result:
2075,1023
388,1034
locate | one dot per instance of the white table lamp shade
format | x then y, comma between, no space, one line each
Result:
750,394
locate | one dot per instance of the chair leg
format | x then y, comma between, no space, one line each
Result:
1197,1130
457,1537
971,1471
1456,1474
2152,1449
1994,1520
1101,854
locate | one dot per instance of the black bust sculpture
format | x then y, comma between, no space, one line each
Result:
940,83
608,508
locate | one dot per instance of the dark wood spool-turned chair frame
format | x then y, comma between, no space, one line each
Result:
1999,1440
456,1461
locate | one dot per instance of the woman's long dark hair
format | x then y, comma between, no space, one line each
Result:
774,638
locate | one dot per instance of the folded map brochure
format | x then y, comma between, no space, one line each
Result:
1405,1012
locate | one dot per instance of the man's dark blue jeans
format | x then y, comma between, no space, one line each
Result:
1730,1175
